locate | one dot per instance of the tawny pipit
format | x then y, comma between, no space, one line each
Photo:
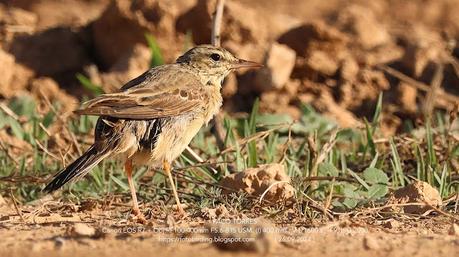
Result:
154,116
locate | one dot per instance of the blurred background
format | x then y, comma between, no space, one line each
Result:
336,56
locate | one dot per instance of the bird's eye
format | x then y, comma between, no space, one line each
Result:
215,57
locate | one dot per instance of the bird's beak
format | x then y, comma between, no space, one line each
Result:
240,63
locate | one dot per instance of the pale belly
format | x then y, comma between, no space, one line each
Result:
174,138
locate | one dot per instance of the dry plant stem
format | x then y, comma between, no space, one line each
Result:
419,85
219,131
322,155
16,207
5,149
217,21
330,195
46,150
72,136
167,170
429,102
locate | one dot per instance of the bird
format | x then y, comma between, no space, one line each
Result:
153,118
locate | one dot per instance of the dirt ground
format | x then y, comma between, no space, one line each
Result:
58,230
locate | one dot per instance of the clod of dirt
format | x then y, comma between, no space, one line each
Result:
250,237
241,23
322,62
7,62
407,97
58,14
349,69
215,213
16,146
128,66
61,48
47,87
2,201
279,63
315,35
325,103
81,230
361,22
454,230
371,243
15,77
390,224
422,46
257,181
229,87
124,23
418,192
12,18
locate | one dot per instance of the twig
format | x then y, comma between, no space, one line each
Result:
323,154
16,207
72,136
216,23
198,158
434,89
330,195
8,111
46,150
418,85
269,188
218,130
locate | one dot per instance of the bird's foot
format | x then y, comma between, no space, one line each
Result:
139,217
180,212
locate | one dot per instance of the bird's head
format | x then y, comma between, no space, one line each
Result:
213,63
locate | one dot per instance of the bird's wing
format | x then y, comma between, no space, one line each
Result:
151,97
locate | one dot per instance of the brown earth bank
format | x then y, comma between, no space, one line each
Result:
337,56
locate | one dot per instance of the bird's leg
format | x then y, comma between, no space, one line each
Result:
167,169
135,207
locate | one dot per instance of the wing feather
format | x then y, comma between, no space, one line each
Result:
155,95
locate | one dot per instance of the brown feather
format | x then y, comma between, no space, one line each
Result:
151,98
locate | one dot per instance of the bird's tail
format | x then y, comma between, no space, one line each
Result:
79,168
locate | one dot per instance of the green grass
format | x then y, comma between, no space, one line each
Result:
355,164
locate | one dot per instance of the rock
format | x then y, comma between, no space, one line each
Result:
130,65
242,235
322,62
454,230
255,182
418,192
82,230
363,24
278,65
